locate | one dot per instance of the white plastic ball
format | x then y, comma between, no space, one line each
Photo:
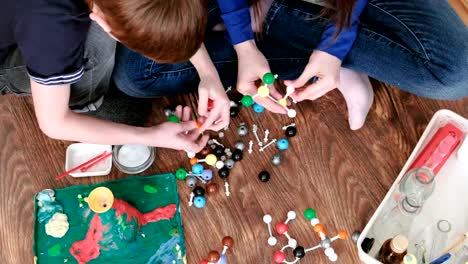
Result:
314,221
292,113
219,164
292,215
272,241
267,219
329,251
292,243
333,258
190,154
290,89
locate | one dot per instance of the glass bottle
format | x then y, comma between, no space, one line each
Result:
393,250
415,188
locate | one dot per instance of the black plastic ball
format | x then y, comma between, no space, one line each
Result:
199,191
299,252
219,151
234,111
264,176
237,155
223,172
291,131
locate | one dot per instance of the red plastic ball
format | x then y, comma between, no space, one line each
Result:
282,228
204,261
279,257
210,104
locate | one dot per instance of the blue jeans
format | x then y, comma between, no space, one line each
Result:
419,46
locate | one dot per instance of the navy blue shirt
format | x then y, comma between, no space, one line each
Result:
50,35
236,17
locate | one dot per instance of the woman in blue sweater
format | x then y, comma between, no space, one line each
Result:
418,46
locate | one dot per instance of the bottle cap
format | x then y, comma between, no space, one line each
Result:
399,244
410,259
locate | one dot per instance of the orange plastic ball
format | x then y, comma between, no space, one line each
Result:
193,161
319,228
342,234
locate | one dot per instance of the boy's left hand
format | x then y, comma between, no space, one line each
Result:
218,117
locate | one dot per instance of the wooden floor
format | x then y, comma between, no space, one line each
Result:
342,174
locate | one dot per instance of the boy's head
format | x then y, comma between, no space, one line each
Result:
167,31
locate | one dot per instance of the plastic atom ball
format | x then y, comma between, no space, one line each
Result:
173,118
292,113
181,174
282,144
282,228
197,169
263,91
193,161
310,214
342,234
268,78
213,256
283,102
258,108
211,159
290,90
207,175
199,202
318,228
279,257
247,101
204,261
228,242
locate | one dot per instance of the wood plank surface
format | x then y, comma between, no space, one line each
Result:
342,174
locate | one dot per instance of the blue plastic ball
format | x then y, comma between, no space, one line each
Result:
283,144
197,168
199,202
258,108
207,175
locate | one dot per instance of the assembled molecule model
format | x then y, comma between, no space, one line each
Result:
264,91
299,251
214,257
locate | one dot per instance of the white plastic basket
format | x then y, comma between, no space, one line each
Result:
450,198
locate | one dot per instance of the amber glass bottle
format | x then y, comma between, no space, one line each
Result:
393,250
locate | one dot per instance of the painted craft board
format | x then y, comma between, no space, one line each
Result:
142,226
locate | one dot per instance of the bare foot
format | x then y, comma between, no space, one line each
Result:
359,95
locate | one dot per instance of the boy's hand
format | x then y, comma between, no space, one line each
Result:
217,117
252,66
180,136
322,65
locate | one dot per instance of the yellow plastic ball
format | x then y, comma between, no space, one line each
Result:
100,200
283,102
211,159
263,91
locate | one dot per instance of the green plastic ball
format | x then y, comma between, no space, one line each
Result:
173,118
247,101
268,78
310,214
181,174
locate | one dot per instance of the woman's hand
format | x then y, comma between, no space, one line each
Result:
211,89
326,68
180,136
252,66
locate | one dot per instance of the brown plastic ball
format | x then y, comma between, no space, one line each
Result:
228,241
212,188
205,151
213,256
